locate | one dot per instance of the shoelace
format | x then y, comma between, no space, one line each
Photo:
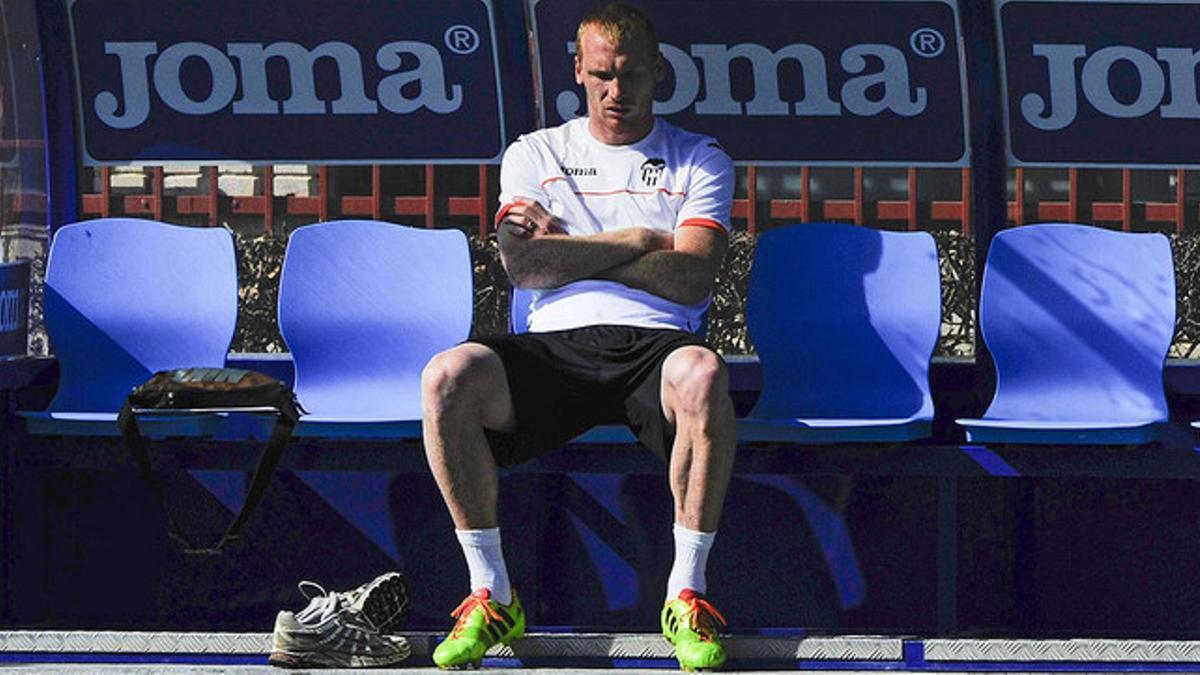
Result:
322,603
701,614
479,599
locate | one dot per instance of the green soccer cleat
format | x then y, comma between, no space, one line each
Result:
482,622
690,623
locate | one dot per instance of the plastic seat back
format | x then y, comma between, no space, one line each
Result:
363,306
1078,320
127,297
520,307
844,320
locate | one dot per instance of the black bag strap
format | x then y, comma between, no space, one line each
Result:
282,431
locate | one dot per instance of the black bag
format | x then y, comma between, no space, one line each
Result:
210,390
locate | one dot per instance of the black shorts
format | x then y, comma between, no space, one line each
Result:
565,382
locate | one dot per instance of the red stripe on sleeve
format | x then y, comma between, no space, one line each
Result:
704,222
504,211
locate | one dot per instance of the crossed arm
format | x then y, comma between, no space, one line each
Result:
680,266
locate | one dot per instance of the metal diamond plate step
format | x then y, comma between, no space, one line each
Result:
643,646
1085,651
648,646
130,642
534,645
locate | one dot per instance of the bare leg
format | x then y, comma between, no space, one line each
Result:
695,396
463,390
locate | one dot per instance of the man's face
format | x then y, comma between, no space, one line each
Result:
619,80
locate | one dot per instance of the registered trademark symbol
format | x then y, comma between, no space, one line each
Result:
461,39
927,42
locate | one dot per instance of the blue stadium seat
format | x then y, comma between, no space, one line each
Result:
127,297
1078,320
844,320
363,306
520,306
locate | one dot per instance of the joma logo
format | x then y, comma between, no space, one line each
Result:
880,82
1172,70
243,66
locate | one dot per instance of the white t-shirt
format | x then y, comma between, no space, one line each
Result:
671,178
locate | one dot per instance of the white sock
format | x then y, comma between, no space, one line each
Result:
691,559
485,560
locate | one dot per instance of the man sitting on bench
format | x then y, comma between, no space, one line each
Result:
620,222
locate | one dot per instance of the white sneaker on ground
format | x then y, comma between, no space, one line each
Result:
344,630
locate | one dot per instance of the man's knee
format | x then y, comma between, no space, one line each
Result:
460,375
696,380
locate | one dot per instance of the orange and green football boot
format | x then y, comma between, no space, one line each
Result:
482,622
690,623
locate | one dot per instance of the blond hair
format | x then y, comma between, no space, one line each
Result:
620,23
